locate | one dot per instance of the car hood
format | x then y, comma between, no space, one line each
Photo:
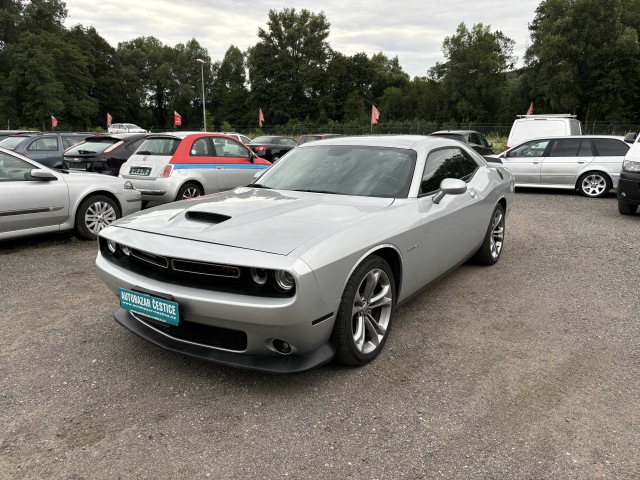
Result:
273,221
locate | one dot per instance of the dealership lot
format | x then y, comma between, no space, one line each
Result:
528,369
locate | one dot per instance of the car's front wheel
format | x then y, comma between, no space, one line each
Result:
188,190
366,312
627,208
94,214
491,249
594,184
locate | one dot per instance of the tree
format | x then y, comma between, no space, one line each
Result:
474,74
583,54
229,88
286,66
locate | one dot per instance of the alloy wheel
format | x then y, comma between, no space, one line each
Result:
99,215
497,234
371,312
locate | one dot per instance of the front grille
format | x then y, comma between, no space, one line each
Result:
188,266
208,335
193,274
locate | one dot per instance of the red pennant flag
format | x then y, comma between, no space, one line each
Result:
530,111
54,122
177,119
108,119
374,114
260,118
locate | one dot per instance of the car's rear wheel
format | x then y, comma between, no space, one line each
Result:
188,190
491,249
594,184
627,208
366,312
94,214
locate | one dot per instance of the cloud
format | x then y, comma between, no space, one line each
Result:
413,31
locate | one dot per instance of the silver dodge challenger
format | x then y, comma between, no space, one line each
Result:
310,261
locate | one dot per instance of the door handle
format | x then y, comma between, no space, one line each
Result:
220,168
581,162
536,162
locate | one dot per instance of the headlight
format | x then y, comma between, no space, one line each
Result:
284,280
128,185
630,166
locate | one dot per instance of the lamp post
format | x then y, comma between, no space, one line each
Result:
204,111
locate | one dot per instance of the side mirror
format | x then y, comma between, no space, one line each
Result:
450,186
252,156
44,175
630,137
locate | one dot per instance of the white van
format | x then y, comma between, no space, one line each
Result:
527,127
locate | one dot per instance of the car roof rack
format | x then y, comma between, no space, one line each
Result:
551,115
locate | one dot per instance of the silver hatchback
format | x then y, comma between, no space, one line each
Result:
589,163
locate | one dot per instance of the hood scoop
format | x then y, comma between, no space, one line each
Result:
206,217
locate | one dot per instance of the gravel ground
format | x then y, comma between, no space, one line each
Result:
528,369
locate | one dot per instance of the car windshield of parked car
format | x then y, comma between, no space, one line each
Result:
265,140
10,143
159,146
345,170
452,136
94,145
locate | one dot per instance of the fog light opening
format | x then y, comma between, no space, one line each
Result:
282,346
259,276
112,246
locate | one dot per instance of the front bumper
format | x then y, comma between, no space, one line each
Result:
628,190
270,364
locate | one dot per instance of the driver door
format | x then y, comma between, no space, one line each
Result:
525,161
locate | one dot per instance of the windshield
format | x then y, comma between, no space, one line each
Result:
96,145
265,140
10,143
346,170
158,146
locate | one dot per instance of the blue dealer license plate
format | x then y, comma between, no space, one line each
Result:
157,308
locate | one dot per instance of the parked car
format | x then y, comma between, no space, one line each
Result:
238,136
272,147
590,164
528,127
181,165
474,139
37,199
310,262
45,148
312,137
125,128
628,191
102,153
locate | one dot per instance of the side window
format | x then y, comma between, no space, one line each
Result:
610,147
71,141
234,149
44,144
133,146
474,139
13,169
468,165
535,148
585,149
288,142
201,148
244,139
565,148
440,164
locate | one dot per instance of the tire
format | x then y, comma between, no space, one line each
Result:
188,190
627,208
362,325
491,249
594,184
94,214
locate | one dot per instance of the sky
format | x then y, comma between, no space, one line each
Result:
411,30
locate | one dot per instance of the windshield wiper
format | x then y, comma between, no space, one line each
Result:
144,152
258,185
315,191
